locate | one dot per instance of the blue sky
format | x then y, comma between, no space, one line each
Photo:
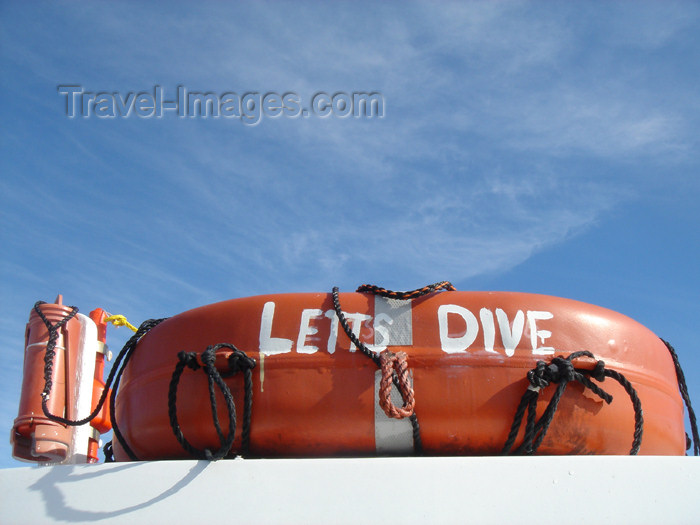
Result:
548,148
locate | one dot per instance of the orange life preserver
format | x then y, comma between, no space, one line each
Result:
468,355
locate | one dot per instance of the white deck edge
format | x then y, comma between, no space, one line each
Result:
561,490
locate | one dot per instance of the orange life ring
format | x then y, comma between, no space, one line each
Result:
468,357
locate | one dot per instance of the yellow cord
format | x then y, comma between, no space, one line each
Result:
120,320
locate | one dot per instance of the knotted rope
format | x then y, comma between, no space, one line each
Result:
562,371
49,358
395,365
413,294
238,361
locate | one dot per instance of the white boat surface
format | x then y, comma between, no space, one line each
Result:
499,490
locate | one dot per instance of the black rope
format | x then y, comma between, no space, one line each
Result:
115,374
417,441
189,359
348,331
528,402
413,294
413,418
636,403
562,371
683,388
376,290
108,452
49,357
238,361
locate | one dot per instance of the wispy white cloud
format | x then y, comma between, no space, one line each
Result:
465,88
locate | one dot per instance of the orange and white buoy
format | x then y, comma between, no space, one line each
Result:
75,378
468,355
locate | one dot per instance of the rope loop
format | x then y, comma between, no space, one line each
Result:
395,365
403,385
238,362
562,371
189,359
50,354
